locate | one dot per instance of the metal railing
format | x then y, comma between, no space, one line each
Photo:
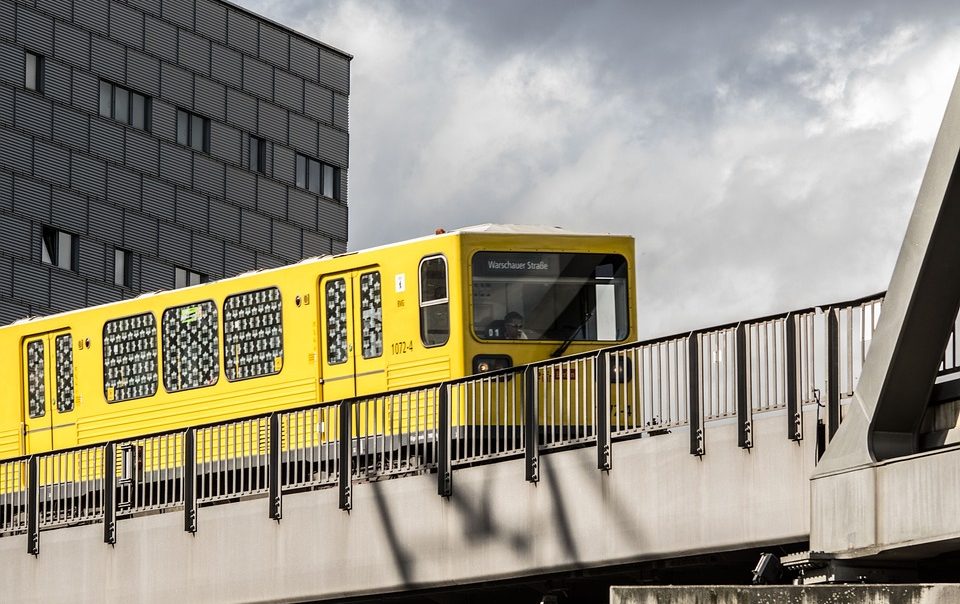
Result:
637,390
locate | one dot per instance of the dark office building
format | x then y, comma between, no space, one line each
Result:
152,144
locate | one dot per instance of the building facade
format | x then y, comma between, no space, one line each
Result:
152,144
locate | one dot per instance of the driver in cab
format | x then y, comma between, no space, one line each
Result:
509,328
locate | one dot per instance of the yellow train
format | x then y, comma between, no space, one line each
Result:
325,329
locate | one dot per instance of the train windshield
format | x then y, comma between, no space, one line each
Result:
550,296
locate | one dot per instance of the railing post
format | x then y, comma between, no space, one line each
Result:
276,492
744,409
444,462
346,456
601,382
33,506
695,401
833,372
110,493
531,425
794,414
190,480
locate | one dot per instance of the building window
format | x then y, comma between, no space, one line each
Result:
258,154
123,267
184,277
59,248
193,130
318,177
123,105
33,72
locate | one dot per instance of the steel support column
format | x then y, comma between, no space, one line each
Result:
531,425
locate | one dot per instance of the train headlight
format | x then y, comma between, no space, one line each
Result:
482,363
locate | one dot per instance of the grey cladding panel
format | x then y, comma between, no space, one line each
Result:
70,127
176,164
210,98
192,210
176,85
108,59
274,45
318,102
141,233
34,113
35,30
143,72
334,71
69,211
31,198
155,275
16,152
271,198
303,58
159,198
238,260
208,175
344,179
338,247
212,20
315,244
175,244
62,9
225,220
56,81
195,53
98,293
284,164
242,32
225,143
11,64
341,112
227,66
207,256
273,122
257,78
286,241
106,139
16,239
86,92
8,20
6,278
265,261
178,11
88,175
6,105
72,44
126,25
6,192
148,6
123,187
91,14
92,258
289,90
163,120
67,292
32,281
303,134
331,218
161,39
241,110
334,146
51,163
255,230
11,310
241,187
143,152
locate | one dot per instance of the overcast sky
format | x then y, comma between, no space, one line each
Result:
764,158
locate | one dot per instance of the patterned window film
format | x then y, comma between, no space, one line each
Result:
130,358
336,301
252,334
36,394
191,346
371,315
64,348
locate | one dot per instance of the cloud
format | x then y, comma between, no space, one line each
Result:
763,159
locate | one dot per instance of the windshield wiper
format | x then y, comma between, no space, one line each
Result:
566,343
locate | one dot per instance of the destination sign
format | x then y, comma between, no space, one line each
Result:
514,264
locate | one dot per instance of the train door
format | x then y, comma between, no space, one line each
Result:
48,392
352,335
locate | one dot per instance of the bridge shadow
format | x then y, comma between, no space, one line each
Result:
401,557
479,523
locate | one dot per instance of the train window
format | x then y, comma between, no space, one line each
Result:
253,334
36,395
130,358
64,349
190,346
336,304
371,315
434,303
